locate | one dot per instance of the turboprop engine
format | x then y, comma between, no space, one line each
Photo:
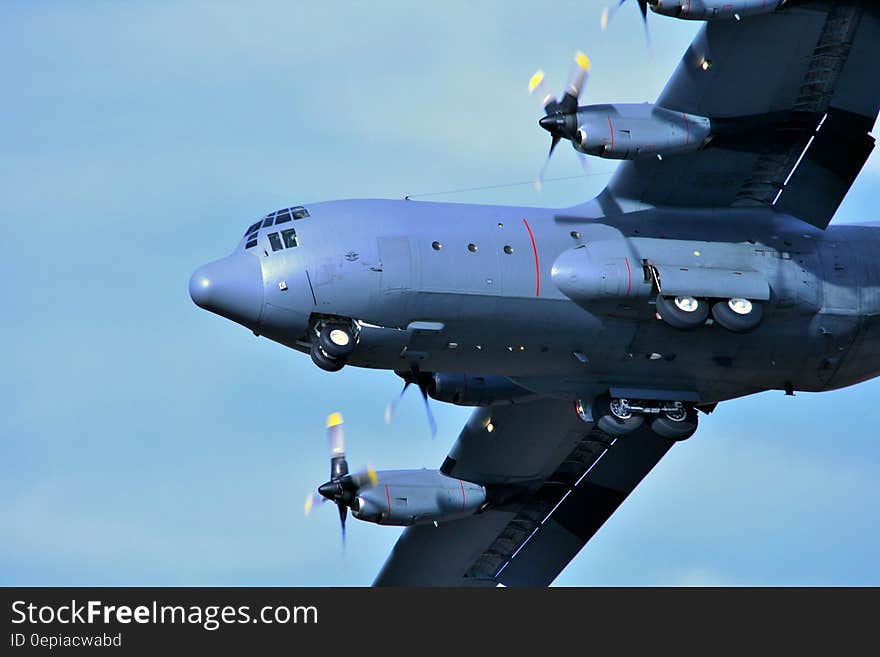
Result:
391,497
477,390
707,10
408,497
628,131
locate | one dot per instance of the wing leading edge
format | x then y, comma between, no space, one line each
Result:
545,513
792,96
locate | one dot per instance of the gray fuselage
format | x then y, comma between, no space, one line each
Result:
471,289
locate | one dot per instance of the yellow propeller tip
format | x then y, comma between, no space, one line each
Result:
535,80
334,419
604,20
308,505
371,473
582,60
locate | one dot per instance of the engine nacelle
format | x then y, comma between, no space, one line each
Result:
630,131
707,10
477,390
408,497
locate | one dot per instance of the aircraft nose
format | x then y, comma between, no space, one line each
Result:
231,287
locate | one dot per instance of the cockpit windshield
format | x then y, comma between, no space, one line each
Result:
287,238
278,217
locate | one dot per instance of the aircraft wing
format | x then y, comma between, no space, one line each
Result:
559,478
792,96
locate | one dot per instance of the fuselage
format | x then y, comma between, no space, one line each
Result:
473,289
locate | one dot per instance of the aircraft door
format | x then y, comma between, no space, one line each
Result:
395,259
839,321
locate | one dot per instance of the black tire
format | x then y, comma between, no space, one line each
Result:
682,319
610,423
675,429
336,341
734,321
325,362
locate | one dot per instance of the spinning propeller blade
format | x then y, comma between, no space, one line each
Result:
560,116
422,381
342,489
609,12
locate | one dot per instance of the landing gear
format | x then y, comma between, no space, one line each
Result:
682,312
615,417
738,315
678,423
332,346
336,341
324,361
673,420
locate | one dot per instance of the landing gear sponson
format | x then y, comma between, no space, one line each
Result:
618,417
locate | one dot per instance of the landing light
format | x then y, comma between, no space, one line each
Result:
490,427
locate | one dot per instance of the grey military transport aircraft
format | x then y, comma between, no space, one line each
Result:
592,338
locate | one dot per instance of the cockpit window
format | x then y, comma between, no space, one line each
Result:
275,241
289,237
279,217
251,243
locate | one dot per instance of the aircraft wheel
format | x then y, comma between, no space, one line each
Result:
336,340
614,418
682,312
738,315
676,425
325,362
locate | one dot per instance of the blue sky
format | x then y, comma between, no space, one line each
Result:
147,442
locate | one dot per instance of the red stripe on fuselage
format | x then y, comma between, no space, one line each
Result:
537,264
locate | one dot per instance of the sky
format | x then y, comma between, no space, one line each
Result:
148,442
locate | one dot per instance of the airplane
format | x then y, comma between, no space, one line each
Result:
591,339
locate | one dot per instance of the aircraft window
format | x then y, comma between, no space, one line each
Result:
250,244
275,241
472,247
508,249
253,227
267,221
436,246
282,217
289,237
299,212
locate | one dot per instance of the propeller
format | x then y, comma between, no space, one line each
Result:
609,12
560,116
423,381
343,487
